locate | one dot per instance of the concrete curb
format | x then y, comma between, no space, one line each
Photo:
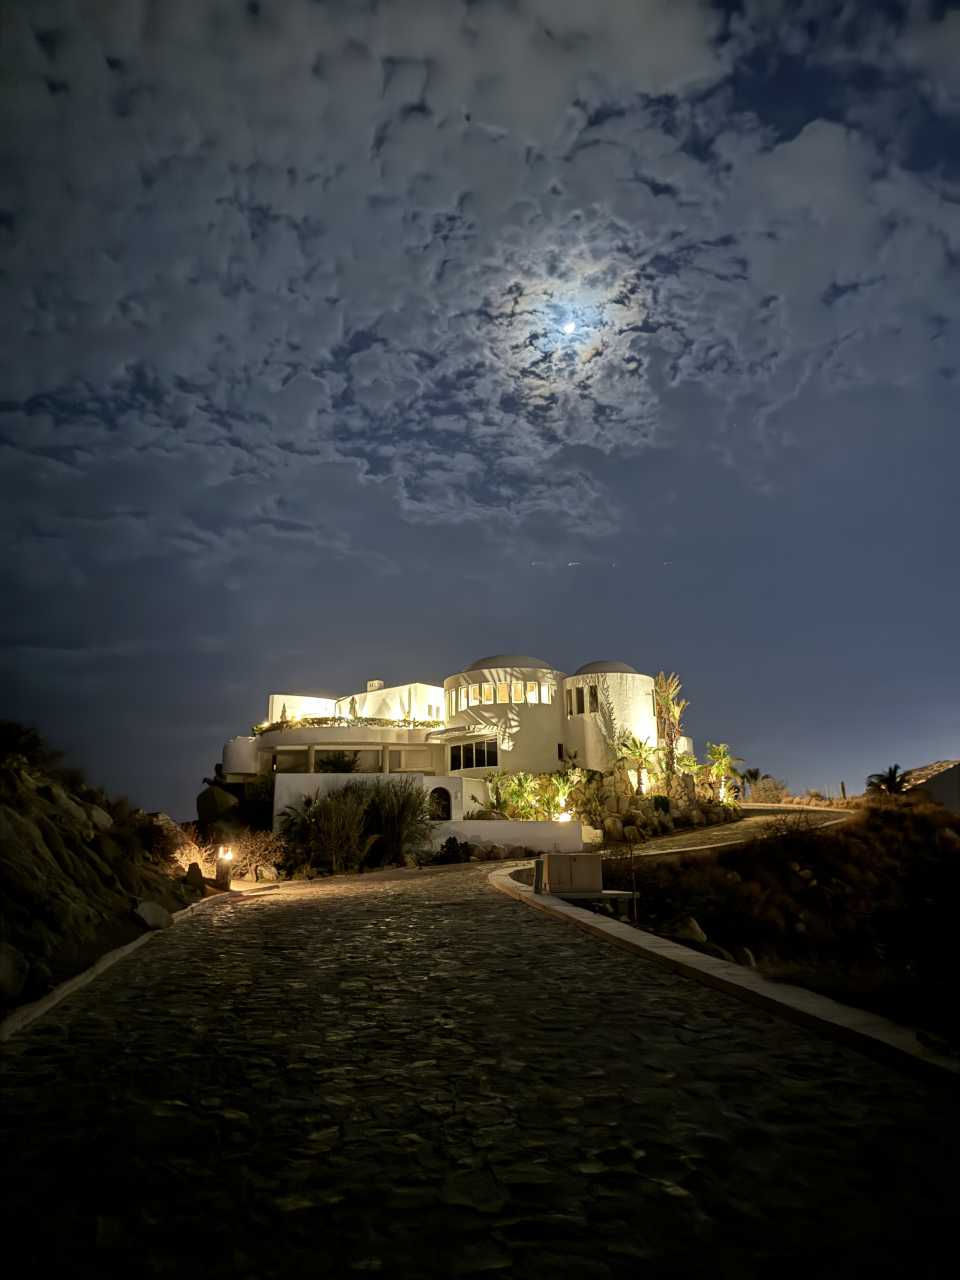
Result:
28,1013
856,1028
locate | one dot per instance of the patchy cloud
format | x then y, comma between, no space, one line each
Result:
260,258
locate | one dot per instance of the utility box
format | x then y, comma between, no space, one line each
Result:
572,873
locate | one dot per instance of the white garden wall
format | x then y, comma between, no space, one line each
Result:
545,837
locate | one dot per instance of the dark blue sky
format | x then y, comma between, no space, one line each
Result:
289,400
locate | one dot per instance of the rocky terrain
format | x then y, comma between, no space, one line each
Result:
75,879
670,802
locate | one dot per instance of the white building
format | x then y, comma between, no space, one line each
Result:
510,711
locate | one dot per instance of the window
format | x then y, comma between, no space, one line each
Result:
488,693
468,755
517,691
533,691
462,696
474,694
456,758
569,702
479,755
559,750
546,694
503,693
492,751
594,700
579,699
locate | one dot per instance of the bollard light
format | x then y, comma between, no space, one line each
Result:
224,859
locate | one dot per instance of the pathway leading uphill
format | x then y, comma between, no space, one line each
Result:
423,1078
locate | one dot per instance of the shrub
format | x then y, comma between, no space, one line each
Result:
337,762
256,807
328,831
769,791
452,850
398,814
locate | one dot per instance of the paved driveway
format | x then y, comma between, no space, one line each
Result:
423,1078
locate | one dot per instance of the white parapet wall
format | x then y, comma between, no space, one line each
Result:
545,837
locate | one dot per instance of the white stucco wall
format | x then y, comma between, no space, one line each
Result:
542,836
241,755
399,702
626,706
526,731
291,787
298,705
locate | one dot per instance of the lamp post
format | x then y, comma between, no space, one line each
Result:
224,866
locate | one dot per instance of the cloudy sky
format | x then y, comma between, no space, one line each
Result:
352,339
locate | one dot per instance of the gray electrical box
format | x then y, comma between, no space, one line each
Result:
572,873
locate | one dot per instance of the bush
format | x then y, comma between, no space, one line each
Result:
398,814
327,832
769,791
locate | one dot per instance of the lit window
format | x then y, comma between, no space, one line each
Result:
488,693
474,694
579,699
517,691
533,691
569,702
503,693
545,694
594,700
462,694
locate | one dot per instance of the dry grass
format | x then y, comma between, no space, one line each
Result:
865,911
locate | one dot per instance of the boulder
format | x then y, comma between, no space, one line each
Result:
710,949
213,804
152,916
614,829
631,834
490,815
194,876
590,834
689,930
266,872
13,972
99,817
497,852
744,956
477,853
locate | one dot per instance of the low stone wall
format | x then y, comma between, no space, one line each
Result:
543,837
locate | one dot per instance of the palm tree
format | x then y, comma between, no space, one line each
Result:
630,747
496,782
720,763
669,707
891,782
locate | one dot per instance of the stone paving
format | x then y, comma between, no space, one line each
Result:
424,1078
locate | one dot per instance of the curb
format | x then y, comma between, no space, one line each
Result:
28,1013
869,1033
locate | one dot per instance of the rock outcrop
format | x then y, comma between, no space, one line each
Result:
75,882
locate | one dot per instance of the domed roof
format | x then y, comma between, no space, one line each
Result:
594,668
508,660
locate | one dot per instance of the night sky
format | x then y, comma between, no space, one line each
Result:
290,398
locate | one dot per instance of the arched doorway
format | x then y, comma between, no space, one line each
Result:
440,804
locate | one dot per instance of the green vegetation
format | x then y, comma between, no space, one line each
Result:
364,823
864,912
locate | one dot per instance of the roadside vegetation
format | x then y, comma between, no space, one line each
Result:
863,912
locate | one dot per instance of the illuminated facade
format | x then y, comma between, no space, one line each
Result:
510,711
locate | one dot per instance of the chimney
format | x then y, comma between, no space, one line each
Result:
373,685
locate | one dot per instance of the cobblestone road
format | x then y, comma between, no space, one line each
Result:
425,1078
